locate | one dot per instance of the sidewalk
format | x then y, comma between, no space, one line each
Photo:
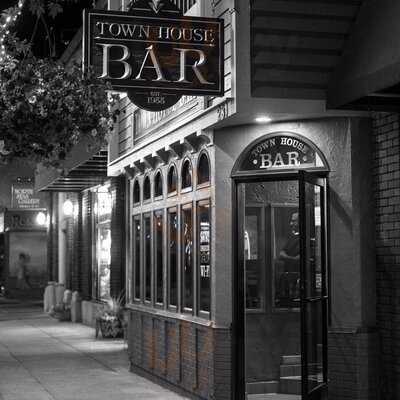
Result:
43,359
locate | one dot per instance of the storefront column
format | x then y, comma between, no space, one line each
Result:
62,240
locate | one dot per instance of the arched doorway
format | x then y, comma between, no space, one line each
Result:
280,274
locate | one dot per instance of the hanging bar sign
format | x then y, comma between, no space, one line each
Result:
155,53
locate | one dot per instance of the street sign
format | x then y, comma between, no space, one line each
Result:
155,53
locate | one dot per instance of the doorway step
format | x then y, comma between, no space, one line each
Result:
262,387
290,375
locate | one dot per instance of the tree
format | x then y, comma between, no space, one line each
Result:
45,107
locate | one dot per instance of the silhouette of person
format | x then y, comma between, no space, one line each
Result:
289,281
22,272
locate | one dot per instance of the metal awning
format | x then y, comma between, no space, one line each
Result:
82,169
368,74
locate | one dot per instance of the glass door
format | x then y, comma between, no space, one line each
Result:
281,288
314,290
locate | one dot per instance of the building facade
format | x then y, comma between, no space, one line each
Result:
256,234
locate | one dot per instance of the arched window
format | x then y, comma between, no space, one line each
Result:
172,178
158,185
136,192
203,169
186,174
146,188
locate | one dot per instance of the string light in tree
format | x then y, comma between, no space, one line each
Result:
5,26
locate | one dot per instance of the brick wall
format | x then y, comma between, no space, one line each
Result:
386,171
189,356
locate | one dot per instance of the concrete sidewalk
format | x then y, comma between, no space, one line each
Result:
43,359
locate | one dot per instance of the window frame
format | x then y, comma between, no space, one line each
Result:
184,207
135,299
147,216
203,313
155,265
173,210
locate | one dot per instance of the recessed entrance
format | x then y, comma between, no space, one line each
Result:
281,282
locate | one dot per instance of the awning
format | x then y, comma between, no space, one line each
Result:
85,166
368,74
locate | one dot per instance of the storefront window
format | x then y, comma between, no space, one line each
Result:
102,215
136,256
204,252
136,192
203,170
254,258
146,188
187,257
186,174
173,261
147,256
158,246
172,178
158,185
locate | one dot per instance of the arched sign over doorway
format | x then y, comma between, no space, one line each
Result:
280,151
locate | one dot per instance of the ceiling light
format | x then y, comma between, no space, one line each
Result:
263,119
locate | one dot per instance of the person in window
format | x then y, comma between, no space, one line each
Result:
22,273
289,280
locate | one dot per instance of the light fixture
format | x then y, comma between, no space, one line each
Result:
68,208
41,218
263,119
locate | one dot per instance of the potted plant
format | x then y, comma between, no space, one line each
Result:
110,318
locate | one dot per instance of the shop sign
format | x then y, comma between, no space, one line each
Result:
155,53
280,152
23,196
22,220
